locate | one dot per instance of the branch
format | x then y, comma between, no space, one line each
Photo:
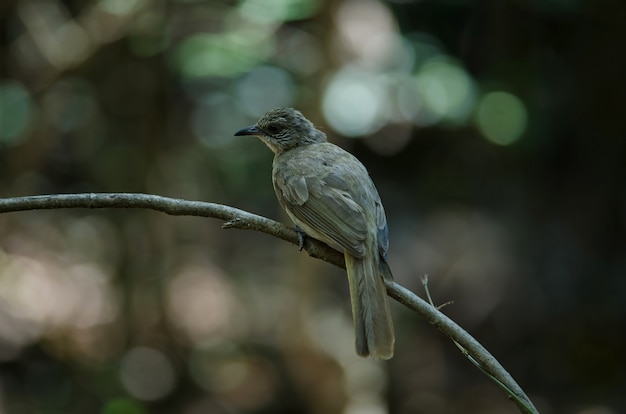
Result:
235,218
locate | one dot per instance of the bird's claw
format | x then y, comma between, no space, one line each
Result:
301,238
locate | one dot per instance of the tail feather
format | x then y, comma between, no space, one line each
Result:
370,308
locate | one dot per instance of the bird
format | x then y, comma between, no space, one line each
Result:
329,195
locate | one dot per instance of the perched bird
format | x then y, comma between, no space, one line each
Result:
330,196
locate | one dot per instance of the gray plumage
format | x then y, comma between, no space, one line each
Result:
329,195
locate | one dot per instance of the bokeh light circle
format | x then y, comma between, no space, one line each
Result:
501,117
354,102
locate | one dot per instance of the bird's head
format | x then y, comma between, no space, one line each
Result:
283,129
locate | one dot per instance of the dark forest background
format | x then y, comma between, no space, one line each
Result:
494,130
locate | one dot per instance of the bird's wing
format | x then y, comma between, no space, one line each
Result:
365,195
325,204
383,231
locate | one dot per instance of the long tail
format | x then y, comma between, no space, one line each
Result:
370,309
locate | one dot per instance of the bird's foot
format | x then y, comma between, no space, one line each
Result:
301,237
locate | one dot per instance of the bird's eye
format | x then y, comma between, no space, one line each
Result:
273,129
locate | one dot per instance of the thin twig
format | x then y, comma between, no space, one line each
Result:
518,399
235,218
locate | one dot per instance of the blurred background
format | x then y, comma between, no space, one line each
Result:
494,131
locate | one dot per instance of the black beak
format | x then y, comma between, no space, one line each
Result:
251,130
